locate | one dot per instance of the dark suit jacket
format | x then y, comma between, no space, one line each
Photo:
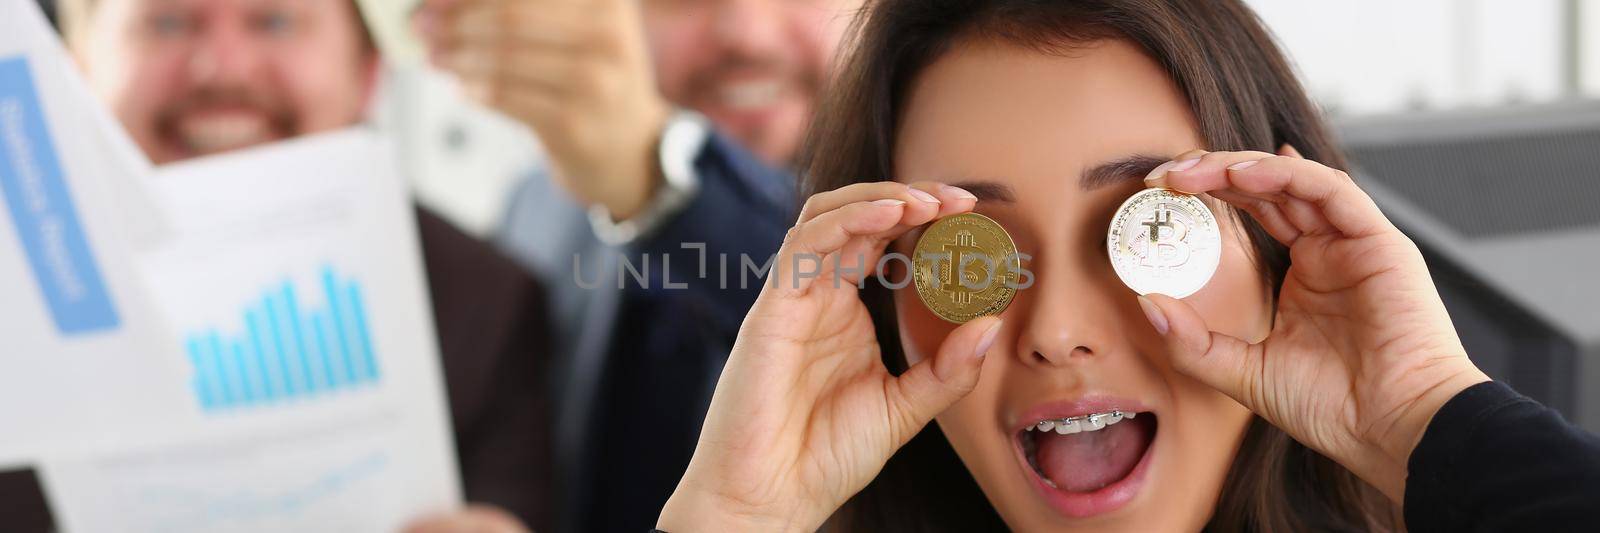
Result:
493,338
644,355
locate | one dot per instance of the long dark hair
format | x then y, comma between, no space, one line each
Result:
1244,96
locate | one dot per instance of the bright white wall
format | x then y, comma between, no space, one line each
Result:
1377,56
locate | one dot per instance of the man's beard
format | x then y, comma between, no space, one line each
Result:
248,118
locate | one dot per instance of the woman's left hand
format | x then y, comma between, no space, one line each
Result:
1361,352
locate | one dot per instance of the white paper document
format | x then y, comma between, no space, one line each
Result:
314,396
239,343
78,341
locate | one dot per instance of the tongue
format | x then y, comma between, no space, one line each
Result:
1085,462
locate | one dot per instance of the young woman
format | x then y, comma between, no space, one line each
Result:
1288,394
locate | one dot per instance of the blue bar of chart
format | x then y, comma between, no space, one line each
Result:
283,351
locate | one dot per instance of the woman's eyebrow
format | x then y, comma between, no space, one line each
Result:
1108,173
991,191
1112,172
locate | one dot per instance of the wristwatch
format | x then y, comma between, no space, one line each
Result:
682,139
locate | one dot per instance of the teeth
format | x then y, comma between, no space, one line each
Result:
1068,426
752,95
218,133
1080,424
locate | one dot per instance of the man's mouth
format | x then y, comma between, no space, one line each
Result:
208,133
1089,463
750,95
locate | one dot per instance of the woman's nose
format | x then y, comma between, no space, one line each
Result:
1064,326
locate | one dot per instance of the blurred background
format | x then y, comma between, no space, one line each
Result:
1367,57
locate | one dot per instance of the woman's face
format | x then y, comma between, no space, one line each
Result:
1052,144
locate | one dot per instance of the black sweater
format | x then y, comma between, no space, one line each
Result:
1493,460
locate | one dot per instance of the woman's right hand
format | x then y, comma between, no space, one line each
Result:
1361,353
805,413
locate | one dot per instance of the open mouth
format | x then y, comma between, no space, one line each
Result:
209,133
748,95
211,124
1088,464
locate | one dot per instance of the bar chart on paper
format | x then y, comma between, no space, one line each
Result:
282,350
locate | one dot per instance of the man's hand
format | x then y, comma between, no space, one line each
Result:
578,73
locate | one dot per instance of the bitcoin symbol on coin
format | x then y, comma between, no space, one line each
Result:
1167,252
963,253
965,267
1164,241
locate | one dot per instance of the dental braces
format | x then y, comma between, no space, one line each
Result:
1077,424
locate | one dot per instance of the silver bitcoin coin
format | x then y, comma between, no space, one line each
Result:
1165,242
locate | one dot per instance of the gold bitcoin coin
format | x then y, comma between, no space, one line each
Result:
1164,241
966,266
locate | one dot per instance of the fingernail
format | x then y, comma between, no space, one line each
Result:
987,341
924,196
1243,165
1159,171
1184,165
952,189
1154,315
889,202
